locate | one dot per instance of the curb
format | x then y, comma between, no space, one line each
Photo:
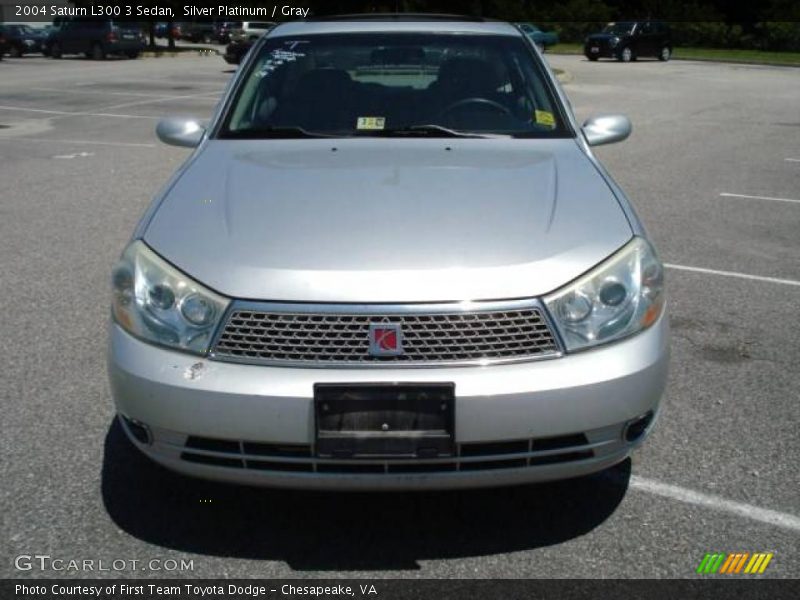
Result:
731,61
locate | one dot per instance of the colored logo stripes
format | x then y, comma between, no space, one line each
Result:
738,562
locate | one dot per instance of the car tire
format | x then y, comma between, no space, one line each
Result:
665,54
132,55
592,57
14,52
98,53
55,50
625,54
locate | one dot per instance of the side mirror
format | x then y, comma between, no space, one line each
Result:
606,129
175,131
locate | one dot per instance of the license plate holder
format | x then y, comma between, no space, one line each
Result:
384,420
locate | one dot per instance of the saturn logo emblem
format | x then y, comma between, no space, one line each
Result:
385,339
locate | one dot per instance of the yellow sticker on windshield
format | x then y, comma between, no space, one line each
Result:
371,123
544,117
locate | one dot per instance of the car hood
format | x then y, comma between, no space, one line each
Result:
379,220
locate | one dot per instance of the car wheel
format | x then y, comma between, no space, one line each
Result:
592,57
97,52
665,54
14,52
55,50
132,54
626,54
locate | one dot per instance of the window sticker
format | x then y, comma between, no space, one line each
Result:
371,123
544,117
276,58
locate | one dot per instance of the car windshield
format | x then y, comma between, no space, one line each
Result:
619,28
436,84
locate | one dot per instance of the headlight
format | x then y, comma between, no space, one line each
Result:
613,41
621,296
157,303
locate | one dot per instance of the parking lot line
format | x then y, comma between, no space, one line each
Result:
78,142
105,93
732,274
792,159
75,114
205,95
740,509
727,195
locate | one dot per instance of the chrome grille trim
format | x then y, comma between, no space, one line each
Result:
434,335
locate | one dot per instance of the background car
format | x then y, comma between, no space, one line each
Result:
3,44
204,32
542,39
627,40
223,30
22,39
235,51
250,30
96,38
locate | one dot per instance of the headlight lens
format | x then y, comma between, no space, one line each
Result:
155,302
613,41
621,296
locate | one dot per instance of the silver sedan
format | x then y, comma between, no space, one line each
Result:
391,262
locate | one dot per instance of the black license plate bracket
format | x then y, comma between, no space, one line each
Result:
385,420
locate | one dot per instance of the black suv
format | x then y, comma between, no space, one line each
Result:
627,40
96,38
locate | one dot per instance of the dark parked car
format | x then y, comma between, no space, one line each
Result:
22,39
235,51
96,38
628,40
224,30
164,30
204,32
3,44
542,39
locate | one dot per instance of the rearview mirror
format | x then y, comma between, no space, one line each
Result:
184,132
606,129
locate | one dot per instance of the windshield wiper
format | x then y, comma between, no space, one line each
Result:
271,132
429,130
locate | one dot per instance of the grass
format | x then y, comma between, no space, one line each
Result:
714,54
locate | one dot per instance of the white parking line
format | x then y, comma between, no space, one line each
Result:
205,95
792,159
76,114
727,195
732,274
104,93
739,509
78,142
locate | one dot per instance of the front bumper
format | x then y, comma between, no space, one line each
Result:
600,50
517,423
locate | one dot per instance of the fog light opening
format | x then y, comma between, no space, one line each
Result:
636,428
139,431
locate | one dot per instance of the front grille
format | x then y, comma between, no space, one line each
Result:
340,337
475,456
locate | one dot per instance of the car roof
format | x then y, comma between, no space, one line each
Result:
394,23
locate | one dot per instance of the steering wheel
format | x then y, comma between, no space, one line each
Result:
477,101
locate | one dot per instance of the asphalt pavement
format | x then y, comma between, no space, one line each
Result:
713,169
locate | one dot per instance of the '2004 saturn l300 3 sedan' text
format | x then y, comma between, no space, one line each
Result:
391,262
